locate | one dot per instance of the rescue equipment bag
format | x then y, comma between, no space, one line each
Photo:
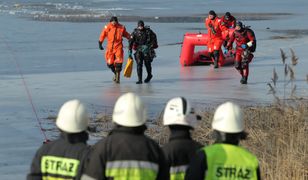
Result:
153,38
128,68
254,45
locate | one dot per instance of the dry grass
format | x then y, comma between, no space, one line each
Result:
277,136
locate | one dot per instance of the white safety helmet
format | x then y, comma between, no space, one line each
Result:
179,112
129,111
73,117
228,118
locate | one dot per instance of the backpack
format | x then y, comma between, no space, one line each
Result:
254,45
153,38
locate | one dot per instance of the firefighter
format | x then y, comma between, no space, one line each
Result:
180,118
64,158
225,159
245,45
126,153
143,40
215,28
228,20
114,31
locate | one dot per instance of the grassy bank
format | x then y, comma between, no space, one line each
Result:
277,136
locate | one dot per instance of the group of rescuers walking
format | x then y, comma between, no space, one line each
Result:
144,41
127,153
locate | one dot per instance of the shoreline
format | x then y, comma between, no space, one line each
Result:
90,17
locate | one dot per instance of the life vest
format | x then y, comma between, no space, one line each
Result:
225,161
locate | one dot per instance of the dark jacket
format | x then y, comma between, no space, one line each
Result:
141,37
122,146
63,158
180,149
198,166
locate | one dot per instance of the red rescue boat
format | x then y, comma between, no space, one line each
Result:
189,57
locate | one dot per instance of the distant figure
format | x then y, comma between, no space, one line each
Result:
245,45
114,31
180,118
126,153
64,158
144,41
214,27
228,20
225,159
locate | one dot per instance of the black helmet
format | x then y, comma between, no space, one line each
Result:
211,12
113,18
227,15
239,23
140,23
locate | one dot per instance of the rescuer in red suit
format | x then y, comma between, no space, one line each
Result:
228,20
214,27
245,45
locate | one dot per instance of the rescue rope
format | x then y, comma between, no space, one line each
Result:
26,87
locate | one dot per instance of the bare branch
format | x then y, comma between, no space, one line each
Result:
292,75
275,77
272,89
294,58
283,56
286,70
293,91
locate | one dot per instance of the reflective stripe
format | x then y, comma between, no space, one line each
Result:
177,176
178,172
59,166
178,169
132,164
136,170
55,178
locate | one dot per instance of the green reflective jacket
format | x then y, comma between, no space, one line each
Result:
227,161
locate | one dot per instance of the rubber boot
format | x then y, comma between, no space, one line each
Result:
149,71
148,79
112,68
139,73
244,80
117,77
216,58
114,77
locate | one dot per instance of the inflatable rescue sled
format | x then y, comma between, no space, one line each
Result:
189,57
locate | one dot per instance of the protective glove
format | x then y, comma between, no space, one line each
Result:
100,45
225,51
130,53
145,48
244,46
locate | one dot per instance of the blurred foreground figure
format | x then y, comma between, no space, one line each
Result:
225,159
126,153
64,158
114,31
245,45
180,118
144,41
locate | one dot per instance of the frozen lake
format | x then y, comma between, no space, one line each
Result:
61,61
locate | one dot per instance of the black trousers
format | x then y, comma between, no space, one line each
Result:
141,58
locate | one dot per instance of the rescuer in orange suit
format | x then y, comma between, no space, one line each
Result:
114,31
215,28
